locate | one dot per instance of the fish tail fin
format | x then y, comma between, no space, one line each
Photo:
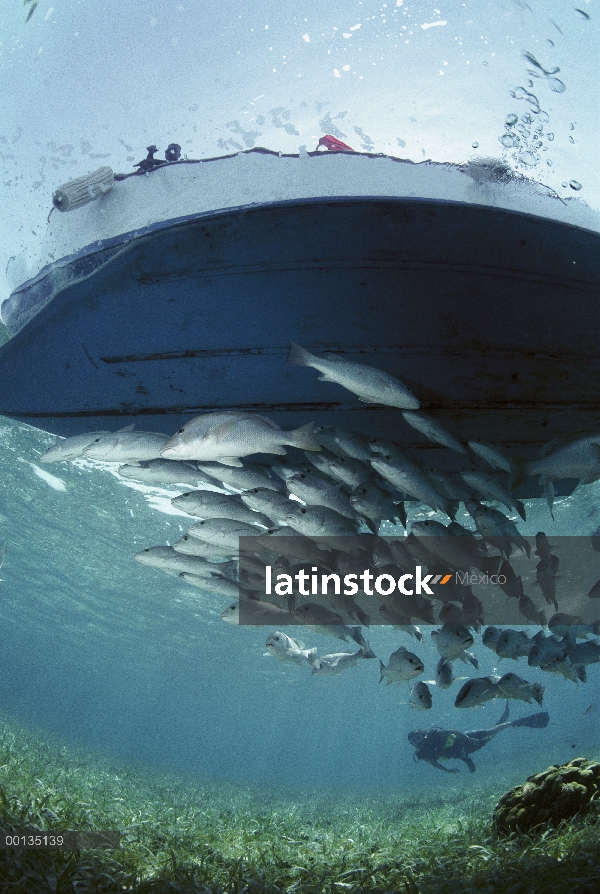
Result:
492,565
401,510
362,615
356,634
548,488
371,525
505,714
311,655
453,507
535,721
299,356
538,693
367,652
519,472
521,509
304,438
381,668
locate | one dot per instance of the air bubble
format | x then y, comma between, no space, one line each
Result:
526,119
475,145
571,140
521,93
544,116
574,185
511,119
508,141
527,158
556,85
522,130
550,136
549,162
564,185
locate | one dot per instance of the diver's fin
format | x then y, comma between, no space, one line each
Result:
505,714
538,721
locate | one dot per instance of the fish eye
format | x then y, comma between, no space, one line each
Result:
303,511
179,431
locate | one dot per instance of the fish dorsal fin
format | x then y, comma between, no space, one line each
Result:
126,428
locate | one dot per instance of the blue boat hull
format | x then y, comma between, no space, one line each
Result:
489,316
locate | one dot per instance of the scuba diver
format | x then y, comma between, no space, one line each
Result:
437,745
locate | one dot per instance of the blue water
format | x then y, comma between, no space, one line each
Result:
105,653
100,651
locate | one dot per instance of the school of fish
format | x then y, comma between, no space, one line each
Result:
323,482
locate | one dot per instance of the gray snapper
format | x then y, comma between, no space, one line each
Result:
267,502
316,490
338,662
513,644
241,479
491,488
433,430
452,641
402,667
126,446
209,504
368,383
163,472
404,474
513,686
477,691
70,448
420,697
227,441
284,648
343,443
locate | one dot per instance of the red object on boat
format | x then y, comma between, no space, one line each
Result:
333,144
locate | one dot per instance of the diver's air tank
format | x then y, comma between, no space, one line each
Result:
79,192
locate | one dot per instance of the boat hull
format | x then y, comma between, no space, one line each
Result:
489,316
